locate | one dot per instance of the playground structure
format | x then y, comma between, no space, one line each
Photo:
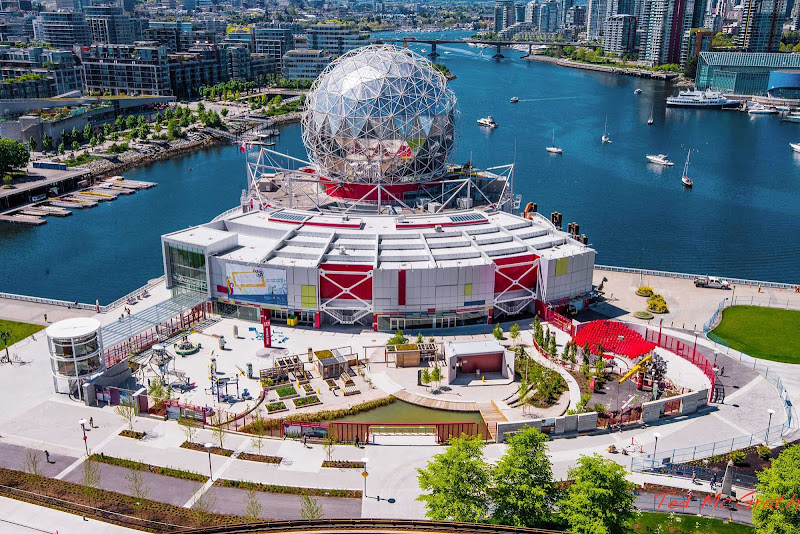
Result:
186,347
219,385
649,374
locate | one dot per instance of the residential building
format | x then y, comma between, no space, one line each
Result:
273,41
667,22
69,5
762,25
619,34
697,40
713,22
519,12
138,69
563,7
576,17
54,71
109,24
305,63
548,16
65,29
744,73
336,38
619,7
595,18
201,65
505,13
239,38
532,12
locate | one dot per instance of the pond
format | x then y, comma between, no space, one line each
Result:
403,412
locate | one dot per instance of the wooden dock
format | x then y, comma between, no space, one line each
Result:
436,404
119,181
72,203
23,219
491,415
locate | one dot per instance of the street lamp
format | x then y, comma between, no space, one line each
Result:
655,447
85,439
365,474
208,448
766,438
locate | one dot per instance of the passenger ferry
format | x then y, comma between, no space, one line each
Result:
698,99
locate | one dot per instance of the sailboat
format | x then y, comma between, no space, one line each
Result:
606,138
554,149
685,178
650,120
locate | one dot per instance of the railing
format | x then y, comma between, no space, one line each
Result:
226,213
652,272
134,293
643,465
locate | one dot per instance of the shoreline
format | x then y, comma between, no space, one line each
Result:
676,78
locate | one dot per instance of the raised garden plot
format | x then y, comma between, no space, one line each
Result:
132,434
344,464
311,400
286,392
308,389
331,384
200,447
260,458
274,407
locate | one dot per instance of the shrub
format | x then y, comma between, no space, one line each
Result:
737,457
303,401
764,452
645,291
275,406
599,408
272,488
657,304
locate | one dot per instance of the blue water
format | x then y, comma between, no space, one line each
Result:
739,220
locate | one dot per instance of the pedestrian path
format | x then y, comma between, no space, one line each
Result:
491,415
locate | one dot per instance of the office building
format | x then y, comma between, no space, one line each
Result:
65,29
762,25
336,38
619,34
298,64
745,73
69,5
109,24
519,12
138,69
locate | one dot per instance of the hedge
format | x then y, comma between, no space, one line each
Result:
139,466
290,490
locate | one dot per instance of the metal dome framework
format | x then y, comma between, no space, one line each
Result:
380,114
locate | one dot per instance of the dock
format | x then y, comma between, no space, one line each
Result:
23,219
69,203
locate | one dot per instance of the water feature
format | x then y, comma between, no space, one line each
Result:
404,412
738,220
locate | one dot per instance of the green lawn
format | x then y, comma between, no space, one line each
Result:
766,333
687,524
18,330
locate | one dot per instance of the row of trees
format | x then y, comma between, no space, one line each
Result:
520,491
233,89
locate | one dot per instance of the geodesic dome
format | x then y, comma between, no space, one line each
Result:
380,114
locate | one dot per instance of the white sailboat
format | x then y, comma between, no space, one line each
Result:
685,177
650,120
606,138
554,149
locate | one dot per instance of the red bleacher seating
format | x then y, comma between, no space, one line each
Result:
613,337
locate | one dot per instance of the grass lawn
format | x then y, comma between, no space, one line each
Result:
766,333
18,330
687,524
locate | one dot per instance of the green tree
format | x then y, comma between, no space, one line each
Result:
498,332
310,508
32,144
130,122
61,148
779,481
600,501
456,483
47,142
420,337
120,122
690,68
75,145
201,107
173,129
514,333
523,492
87,131
436,375
224,112
425,378
13,154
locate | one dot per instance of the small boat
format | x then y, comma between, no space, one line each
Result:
650,120
606,138
783,108
488,122
637,91
795,146
687,182
759,109
553,149
514,100
659,159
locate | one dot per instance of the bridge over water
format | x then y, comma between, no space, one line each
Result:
486,42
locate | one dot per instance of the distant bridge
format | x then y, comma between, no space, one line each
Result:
497,44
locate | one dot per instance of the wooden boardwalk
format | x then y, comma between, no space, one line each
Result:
492,416
453,406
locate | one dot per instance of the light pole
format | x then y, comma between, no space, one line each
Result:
208,448
655,447
766,437
365,474
85,439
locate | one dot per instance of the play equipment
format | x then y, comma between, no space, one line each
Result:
186,347
240,370
219,384
649,373
221,342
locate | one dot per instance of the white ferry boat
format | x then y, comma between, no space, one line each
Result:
659,159
698,99
488,122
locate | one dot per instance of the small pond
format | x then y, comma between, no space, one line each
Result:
403,412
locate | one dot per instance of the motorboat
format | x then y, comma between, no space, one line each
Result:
685,180
659,159
606,138
795,146
514,100
759,109
488,122
783,108
553,149
698,99
650,120
637,91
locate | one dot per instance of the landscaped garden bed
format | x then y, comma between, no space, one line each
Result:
286,392
747,461
308,389
331,384
343,464
272,488
202,448
250,457
132,434
139,466
302,402
274,407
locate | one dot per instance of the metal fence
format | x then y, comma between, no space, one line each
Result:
652,272
642,465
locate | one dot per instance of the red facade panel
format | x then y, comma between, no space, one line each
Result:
517,268
401,288
335,278
487,363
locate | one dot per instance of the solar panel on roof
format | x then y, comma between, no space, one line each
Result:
285,216
470,217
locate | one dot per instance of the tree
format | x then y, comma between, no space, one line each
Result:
137,487
329,445
204,505
61,148
33,466
498,332
218,428
47,142
201,107
600,501
310,508
420,337
75,145
514,333
224,112
523,492
456,482
127,410
553,349
425,378
436,375
13,154
32,144
130,122
690,68
397,339
87,131
189,427
780,480
173,129
257,427
253,508
91,477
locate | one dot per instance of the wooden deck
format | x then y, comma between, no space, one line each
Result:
453,406
492,416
